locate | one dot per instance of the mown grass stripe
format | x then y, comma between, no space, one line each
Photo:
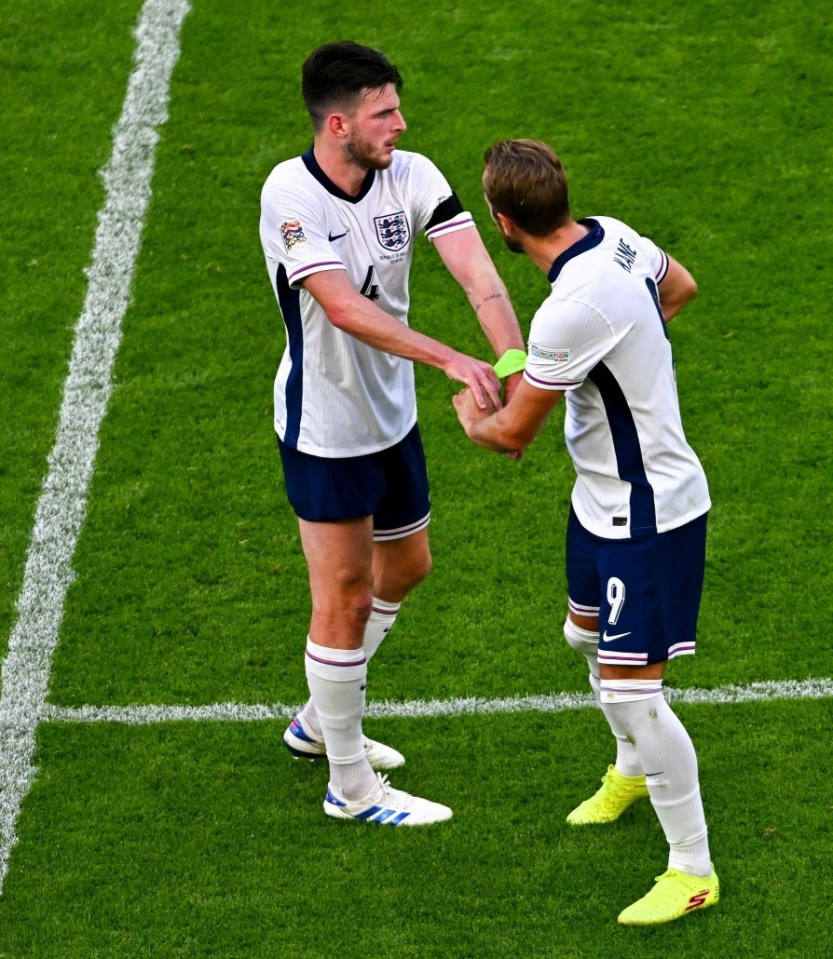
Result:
60,510
420,709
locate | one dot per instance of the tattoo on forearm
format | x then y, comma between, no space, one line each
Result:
491,296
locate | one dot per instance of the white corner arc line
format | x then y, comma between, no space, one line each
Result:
422,709
59,514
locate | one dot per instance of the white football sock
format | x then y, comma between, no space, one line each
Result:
382,618
336,680
586,642
638,711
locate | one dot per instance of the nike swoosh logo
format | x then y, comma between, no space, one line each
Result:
609,639
336,236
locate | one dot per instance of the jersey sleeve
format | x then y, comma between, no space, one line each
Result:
656,257
293,233
567,339
437,210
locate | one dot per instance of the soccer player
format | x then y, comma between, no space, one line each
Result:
636,536
338,226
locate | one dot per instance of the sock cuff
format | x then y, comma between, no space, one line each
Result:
380,607
629,690
338,665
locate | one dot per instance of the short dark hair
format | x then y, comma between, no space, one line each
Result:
525,181
338,73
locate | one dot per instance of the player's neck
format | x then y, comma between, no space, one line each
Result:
345,174
545,250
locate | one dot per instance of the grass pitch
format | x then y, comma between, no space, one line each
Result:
704,127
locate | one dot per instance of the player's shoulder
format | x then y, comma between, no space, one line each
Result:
582,276
407,163
285,175
613,227
616,231
408,158
625,247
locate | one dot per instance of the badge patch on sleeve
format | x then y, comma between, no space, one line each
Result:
292,233
547,353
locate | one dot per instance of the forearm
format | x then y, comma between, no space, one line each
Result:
492,433
469,263
376,328
513,427
361,318
499,324
493,308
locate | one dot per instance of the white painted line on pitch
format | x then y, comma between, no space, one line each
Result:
420,709
60,511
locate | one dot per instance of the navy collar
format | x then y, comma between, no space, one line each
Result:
312,165
592,239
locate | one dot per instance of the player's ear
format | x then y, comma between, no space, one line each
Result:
499,220
337,124
504,224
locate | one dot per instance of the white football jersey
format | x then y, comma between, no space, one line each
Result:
335,396
601,338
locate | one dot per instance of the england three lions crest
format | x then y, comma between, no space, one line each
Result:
392,231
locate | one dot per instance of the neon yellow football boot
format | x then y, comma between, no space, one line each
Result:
616,794
675,894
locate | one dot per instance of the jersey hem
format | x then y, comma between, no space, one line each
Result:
331,453
626,533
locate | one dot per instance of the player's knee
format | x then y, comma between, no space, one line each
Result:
346,620
348,596
360,604
584,641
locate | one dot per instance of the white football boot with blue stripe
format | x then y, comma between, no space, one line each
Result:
305,744
386,806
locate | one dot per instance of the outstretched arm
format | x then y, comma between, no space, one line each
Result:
467,260
348,310
513,428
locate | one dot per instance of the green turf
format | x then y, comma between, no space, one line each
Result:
184,840
703,125
63,74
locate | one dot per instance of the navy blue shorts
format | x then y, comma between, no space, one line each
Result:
646,591
391,486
